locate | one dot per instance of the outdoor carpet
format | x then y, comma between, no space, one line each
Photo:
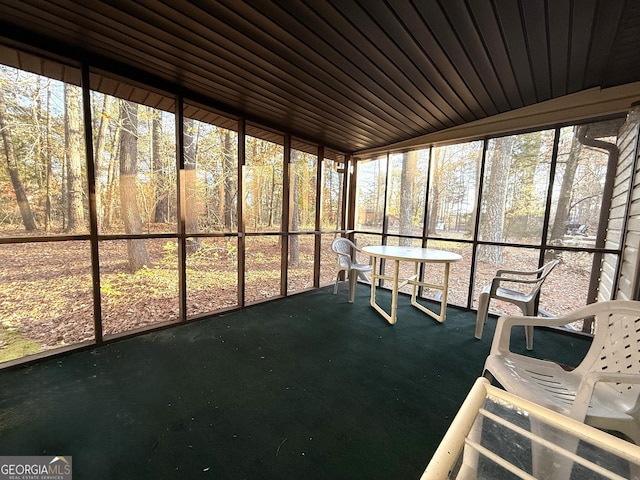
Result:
305,387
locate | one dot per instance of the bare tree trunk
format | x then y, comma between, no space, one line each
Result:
191,193
409,163
73,143
99,158
564,198
112,171
39,147
47,149
294,243
230,188
161,209
136,248
273,195
220,181
436,186
12,165
495,197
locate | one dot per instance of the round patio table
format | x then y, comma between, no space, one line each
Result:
417,256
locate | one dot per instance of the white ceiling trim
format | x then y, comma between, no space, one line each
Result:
575,108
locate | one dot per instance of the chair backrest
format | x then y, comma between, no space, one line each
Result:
543,273
616,344
343,247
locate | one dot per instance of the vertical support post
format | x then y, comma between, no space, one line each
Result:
351,174
317,256
93,213
476,225
425,221
242,132
286,215
181,208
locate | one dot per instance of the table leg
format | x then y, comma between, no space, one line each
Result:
445,290
394,295
416,276
374,281
394,291
443,300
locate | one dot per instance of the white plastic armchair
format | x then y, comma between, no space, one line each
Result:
603,391
347,261
488,437
530,282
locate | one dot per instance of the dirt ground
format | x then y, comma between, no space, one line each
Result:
46,287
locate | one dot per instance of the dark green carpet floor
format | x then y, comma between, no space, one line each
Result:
308,387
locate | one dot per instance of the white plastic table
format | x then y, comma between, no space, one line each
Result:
417,256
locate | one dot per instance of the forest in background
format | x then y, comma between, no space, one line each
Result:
456,190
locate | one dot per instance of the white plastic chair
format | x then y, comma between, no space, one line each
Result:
526,300
603,391
347,252
489,435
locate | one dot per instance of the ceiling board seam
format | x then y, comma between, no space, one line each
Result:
459,64
231,80
336,103
388,85
406,81
371,82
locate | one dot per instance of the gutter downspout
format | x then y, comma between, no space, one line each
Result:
605,208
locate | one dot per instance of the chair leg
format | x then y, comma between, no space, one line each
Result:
353,279
483,310
335,287
549,462
529,311
528,335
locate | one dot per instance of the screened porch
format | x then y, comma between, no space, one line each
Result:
173,175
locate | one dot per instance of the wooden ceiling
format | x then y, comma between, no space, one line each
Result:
350,74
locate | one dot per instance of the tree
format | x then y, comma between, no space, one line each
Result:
409,162
525,202
437,186
128,155
47,149
98,155
294,244
161,214
495,192
564,199
230,188
28,219
191,191
73,143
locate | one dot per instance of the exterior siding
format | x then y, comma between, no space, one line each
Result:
628,175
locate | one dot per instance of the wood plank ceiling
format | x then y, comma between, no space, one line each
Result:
350,74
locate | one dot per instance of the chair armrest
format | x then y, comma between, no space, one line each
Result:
499,273
502,335
610,377
495,283
366,254
502,276
359,250
588,384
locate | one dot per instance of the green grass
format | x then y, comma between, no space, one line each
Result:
13,345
